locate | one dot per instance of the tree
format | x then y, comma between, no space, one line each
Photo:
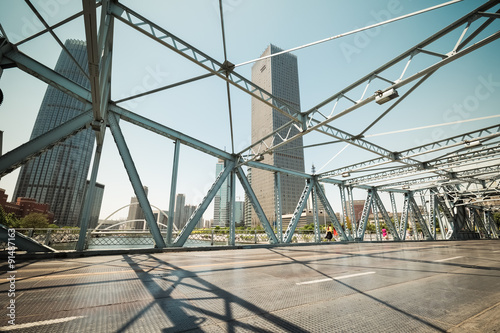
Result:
9,220
34,220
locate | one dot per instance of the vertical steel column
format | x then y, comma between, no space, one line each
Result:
394,212
385,215
173,192
413,224
404,217
432,214
364,216
352,215
317,233
298,210
377,223
424,212
232,197
344,212
135,180
331,213
418,216
277,202
89,201
441,223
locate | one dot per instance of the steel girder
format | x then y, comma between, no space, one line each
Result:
298,210
317,233
451,159
224,71
135,180
198,213
404,216
317,120
22,154
364,215
278,205
173,192
385,216
329,210
256,205
97,99
89,200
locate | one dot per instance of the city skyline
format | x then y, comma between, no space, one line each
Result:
324,69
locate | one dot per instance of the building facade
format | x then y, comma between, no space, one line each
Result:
279,76
58,176
24,206
96,205
180,202
221,200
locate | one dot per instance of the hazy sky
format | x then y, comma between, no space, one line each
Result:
466,89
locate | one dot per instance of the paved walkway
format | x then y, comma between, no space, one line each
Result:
362,287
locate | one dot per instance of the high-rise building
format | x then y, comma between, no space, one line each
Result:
221,200
180,202
96,205
136,214
58,176
278,75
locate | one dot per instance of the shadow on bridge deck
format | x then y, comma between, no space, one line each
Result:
356,287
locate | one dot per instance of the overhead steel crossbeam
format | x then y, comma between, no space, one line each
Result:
163,130
466,139
456,177
318,120
13,57
442,166
22,154
181,47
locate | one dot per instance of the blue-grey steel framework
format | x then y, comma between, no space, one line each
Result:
450,198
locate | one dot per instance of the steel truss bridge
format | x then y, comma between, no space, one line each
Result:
444,184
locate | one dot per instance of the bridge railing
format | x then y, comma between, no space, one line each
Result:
65,239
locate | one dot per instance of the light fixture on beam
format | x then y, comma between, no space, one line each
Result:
382,97
259,157
346,174
472,143
406,187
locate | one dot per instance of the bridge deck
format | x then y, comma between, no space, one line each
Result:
362,287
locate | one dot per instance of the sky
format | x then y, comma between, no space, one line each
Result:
465,90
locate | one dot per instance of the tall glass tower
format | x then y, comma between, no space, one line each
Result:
58,176
280,76
221,199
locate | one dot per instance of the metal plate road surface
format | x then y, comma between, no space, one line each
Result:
361,287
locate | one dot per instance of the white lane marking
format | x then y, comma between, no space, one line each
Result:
38,323
448,259
335,278
352,275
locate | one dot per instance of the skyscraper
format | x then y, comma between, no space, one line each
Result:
221,200
180,202
58,176
279,76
